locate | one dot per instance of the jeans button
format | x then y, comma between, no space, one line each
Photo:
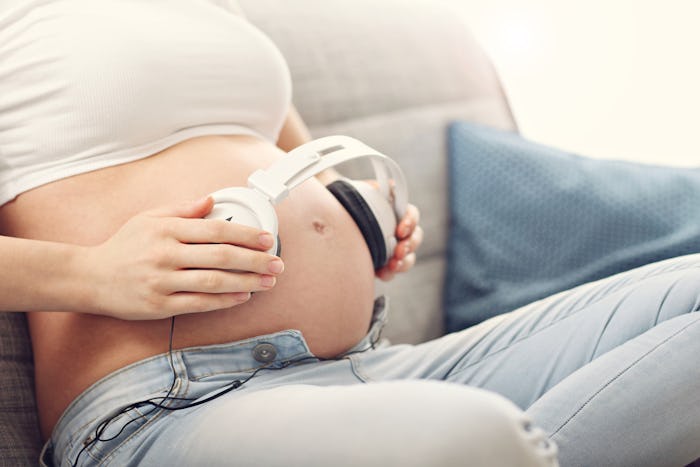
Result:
264,353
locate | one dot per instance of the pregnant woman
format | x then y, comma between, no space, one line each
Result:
111,110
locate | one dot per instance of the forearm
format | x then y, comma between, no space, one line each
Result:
294,132
37,275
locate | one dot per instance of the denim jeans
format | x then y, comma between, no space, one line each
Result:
607,372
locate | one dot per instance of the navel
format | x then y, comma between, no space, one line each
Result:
320,227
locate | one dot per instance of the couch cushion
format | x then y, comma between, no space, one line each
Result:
529,220
19,432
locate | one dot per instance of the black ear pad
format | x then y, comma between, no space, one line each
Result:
362,214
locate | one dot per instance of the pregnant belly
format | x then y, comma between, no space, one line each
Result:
326,290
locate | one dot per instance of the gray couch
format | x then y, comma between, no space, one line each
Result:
392,73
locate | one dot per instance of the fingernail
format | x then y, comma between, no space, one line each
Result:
275,266
399,264
242,296
267,281
265,240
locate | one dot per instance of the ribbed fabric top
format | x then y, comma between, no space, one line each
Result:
87,84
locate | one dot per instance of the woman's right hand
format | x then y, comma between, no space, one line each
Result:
170,261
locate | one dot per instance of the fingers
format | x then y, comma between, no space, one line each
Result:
225,256
404,255
384,274
190,209
405,264
184,302
185,223
210,281
218,231
222,268
409,245
396,266
408,223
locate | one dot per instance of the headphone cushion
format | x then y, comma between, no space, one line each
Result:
370,211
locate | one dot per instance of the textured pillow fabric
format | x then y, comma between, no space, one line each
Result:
19,429
528,221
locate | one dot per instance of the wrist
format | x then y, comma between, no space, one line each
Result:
75,290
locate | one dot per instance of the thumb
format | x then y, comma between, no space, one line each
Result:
191,209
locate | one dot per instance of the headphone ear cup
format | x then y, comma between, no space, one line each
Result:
372,213
248,207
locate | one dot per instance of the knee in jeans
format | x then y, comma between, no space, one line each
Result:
484,428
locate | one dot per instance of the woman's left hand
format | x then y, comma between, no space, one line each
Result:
409,235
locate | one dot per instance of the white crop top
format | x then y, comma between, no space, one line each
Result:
88,84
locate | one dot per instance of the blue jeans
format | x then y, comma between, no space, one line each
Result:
608,372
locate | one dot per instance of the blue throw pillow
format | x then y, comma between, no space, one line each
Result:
528,221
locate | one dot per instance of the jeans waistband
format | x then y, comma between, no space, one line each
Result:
153,377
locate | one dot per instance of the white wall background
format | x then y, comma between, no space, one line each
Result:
604,78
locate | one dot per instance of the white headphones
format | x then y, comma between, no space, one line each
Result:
375,211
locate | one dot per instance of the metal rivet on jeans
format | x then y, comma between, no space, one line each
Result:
264,353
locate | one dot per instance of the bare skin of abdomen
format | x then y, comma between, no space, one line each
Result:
321,248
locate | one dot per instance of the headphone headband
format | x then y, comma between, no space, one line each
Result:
316,156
